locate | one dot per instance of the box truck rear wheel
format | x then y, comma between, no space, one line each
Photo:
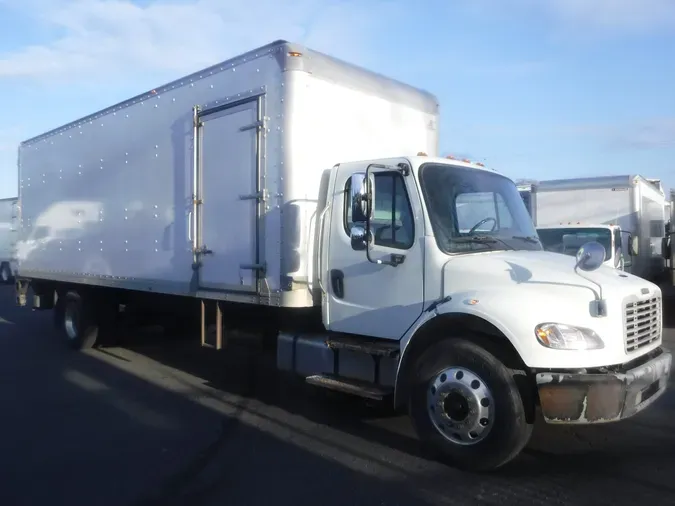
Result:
5,273
79,322
466,407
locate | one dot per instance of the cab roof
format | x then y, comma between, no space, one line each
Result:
579,225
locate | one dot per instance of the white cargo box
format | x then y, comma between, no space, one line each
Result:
122,198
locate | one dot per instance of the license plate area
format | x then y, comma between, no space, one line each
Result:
648,392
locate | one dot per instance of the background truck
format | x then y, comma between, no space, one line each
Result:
8,237
525,191
632,203
568,238
667,242
227,195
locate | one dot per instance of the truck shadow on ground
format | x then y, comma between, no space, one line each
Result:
215,445
130,442
631,459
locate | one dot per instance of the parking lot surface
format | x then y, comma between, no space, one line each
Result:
156,422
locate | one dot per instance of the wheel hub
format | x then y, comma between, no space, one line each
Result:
461,406
455,406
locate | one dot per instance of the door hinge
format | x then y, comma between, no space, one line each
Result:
203,250
196,121
261,195
257,125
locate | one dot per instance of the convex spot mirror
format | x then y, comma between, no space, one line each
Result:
590,256
358,237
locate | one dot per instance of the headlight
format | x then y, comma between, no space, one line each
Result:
559,336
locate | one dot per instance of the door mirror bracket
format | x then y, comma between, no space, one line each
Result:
362,195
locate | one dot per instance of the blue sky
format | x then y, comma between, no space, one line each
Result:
536,88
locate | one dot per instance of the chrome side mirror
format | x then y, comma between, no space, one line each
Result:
362,198
590,256
634,246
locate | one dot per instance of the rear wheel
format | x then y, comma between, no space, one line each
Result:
466,407
5,274
79,323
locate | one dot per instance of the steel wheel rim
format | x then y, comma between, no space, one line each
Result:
460,406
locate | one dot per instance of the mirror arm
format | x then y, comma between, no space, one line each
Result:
395,259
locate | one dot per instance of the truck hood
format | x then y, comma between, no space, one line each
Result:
517,290
543,267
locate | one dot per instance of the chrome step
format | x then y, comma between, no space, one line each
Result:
380,348
359,388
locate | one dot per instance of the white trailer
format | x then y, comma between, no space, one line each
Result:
8,237
633,203
227,193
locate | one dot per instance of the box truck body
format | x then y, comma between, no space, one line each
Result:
630,202
8,238
109,199
277,193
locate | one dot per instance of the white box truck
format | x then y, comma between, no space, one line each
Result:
525,191
633,205
8,237
231,189
569,237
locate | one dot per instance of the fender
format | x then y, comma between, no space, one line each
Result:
447,317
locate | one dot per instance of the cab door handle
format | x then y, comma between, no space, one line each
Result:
337,281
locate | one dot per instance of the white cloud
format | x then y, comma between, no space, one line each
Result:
105,50
625,15
586,17
9,138
655,133
114,39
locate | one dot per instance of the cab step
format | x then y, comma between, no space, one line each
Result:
379,348
359,388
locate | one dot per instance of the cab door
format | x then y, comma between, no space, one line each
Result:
362,296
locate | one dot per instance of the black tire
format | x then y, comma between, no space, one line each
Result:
499,415
5,274
79,324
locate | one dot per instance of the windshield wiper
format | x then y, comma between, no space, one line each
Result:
527,238
481,239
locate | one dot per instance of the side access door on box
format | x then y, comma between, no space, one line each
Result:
364,297
229,200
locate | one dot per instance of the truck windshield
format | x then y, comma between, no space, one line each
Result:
568,240
475,210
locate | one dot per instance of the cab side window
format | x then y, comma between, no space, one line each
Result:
392,225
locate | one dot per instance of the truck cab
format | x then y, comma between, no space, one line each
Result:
568,238
441,259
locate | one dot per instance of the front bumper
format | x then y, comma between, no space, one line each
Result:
586,398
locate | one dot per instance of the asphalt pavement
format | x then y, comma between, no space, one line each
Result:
157,422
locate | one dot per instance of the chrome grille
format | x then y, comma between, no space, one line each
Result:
642,323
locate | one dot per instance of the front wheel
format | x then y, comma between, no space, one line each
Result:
466,407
